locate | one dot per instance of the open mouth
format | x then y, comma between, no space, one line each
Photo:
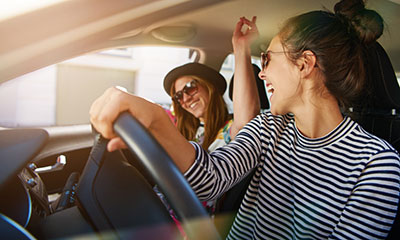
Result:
270,88
193,105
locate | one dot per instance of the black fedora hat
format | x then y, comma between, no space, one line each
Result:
195,69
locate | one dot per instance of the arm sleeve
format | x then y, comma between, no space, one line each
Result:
213,174
372,206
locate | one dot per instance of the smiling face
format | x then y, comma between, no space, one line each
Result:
196,104
282,79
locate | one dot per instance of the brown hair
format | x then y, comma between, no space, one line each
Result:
215,117
338,41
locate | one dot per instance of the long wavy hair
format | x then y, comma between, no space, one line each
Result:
215,117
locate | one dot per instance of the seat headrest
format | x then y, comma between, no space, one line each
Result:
382,85
262,94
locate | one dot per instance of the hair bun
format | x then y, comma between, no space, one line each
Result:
367,24
349,8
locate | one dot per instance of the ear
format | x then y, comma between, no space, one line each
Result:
308,62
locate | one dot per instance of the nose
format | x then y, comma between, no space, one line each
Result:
186,97
262,75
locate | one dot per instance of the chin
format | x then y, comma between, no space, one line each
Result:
276,111
273,110
196,115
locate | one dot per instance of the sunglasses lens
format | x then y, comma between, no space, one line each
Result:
191,89
178,96
264,60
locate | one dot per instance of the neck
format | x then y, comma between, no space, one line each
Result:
317,118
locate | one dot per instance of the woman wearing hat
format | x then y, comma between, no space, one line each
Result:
196,90
200,110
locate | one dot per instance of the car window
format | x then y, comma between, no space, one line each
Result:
61,94
227,70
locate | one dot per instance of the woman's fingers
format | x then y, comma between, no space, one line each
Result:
243,38
251,24
115,144
238,28
105,110
254,19
251,28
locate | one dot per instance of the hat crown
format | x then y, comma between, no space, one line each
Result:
202,71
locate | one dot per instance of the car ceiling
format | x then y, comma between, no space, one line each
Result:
71,28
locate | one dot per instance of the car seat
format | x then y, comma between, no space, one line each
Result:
378,108
262,94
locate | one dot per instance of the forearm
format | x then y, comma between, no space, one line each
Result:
216,172
176,145
108,106
246,103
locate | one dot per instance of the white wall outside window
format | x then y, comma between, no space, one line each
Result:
46,97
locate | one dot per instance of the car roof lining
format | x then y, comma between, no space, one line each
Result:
217,29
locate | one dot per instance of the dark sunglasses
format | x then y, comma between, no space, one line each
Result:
266,57
190,89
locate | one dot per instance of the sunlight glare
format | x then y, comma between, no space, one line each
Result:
13,8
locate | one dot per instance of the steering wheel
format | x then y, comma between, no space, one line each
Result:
196,222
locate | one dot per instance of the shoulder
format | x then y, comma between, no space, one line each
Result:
268,121
267,127
370,144
267,116
370,139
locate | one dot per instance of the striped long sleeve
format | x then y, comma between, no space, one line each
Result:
344,185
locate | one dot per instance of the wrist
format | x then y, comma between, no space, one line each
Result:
242,54
157,113
241,49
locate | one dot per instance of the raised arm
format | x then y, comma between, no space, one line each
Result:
246,103
108,106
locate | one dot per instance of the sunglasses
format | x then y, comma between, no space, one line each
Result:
189,89
266,57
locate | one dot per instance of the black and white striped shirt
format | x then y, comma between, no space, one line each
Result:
344,185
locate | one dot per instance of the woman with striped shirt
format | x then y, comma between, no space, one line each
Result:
319,175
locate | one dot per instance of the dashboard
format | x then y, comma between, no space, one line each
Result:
24,199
